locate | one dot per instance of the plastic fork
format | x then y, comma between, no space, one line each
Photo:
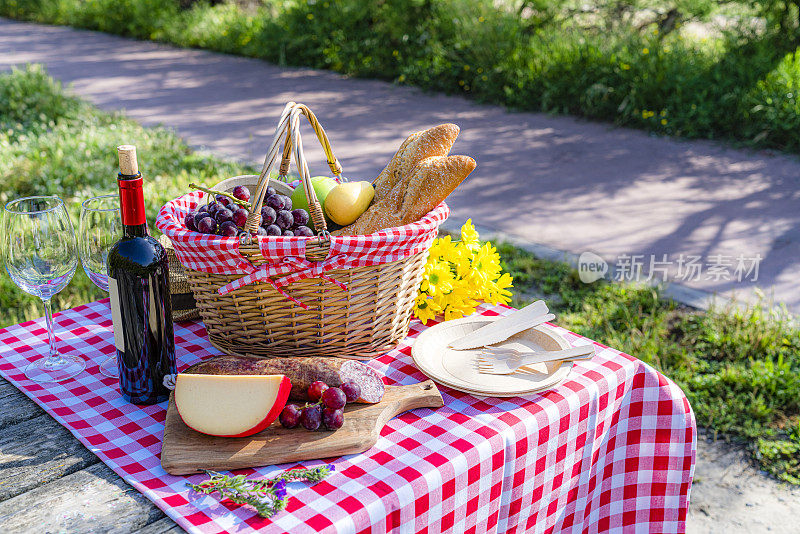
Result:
489,363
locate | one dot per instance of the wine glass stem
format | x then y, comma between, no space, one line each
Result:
48,314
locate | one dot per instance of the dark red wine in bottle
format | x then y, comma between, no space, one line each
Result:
138,283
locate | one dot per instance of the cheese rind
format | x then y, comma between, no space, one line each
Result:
230,405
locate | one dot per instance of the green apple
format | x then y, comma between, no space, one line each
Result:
322,186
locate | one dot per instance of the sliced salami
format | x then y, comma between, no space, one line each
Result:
366,377
302,371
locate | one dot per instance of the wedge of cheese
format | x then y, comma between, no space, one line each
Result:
230,405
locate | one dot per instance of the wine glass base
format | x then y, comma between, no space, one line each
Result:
109,368
66,367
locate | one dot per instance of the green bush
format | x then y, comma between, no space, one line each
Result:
741,86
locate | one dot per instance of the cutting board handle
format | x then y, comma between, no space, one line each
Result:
400,399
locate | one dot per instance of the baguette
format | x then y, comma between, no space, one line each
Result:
434,179
436,141
416,180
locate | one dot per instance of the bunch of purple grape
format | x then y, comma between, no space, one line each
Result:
278,217
326,408
222,216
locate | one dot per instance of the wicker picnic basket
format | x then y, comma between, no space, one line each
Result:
366,313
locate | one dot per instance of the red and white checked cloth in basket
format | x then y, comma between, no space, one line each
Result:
286,255
609,450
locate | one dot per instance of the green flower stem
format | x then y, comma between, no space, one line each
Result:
223,193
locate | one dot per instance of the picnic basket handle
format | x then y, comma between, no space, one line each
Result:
289,130
333,163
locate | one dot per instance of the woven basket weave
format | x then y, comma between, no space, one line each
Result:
369,318
184,307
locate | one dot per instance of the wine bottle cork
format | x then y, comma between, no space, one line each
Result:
127,160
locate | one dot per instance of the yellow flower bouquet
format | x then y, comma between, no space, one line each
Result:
459,274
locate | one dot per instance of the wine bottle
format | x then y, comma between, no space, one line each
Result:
138,283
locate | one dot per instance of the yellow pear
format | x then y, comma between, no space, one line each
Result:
348,200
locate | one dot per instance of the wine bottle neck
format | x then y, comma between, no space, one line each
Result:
135,230
131,205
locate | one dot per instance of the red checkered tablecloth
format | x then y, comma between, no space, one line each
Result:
610,449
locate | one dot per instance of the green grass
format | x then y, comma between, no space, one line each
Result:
51,143
740,369
740,86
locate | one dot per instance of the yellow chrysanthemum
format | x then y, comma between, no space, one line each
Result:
458,274
469,236
452,312
462,259
498,292
437,277
485,265
459,301
443,248
425,309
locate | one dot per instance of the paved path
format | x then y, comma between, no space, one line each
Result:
557,181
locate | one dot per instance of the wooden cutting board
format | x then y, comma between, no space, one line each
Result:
186,451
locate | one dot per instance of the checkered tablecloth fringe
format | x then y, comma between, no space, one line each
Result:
611,449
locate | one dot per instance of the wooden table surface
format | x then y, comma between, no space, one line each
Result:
50,482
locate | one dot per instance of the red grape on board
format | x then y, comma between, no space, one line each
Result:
332,418
311,417
351,390
316,389
334,398
290,416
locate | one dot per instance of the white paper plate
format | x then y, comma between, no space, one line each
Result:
458,368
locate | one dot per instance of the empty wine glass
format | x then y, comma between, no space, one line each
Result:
39,249
100,227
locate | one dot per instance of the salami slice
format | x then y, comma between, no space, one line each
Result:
366,377
302,371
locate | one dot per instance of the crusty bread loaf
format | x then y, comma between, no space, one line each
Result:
435,141
416,180
434,179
